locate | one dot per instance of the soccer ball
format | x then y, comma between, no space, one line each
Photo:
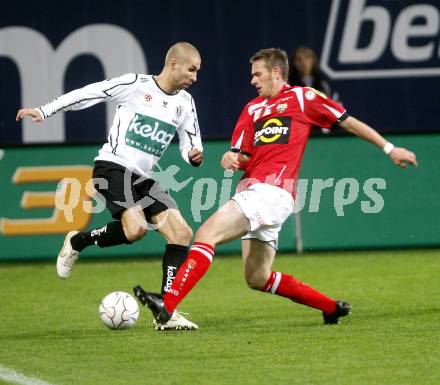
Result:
119,310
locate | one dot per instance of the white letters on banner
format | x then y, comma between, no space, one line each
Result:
42,67
396,36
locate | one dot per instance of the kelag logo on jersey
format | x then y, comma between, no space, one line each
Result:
382,39
272,131
149,135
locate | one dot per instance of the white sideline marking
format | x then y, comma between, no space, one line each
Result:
14,377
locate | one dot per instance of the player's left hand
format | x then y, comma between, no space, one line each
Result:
402,157
195,157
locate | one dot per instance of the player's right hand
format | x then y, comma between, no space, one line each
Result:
230,161
36,117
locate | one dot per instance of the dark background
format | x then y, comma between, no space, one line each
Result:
227,33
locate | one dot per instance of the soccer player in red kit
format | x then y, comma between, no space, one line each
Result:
268,144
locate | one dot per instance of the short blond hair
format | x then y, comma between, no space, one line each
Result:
273,57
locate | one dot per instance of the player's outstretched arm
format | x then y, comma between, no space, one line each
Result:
33,112
399,155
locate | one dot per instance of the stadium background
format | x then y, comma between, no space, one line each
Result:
387,75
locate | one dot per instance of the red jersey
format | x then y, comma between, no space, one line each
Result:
274,133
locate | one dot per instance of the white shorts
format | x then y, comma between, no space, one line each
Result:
266,207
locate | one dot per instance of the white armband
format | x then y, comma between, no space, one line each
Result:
388,148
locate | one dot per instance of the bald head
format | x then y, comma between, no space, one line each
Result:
182,52
181,65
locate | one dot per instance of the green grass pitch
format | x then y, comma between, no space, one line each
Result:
50,328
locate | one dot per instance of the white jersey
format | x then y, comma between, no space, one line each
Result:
145,121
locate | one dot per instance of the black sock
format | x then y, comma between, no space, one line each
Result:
173,257
111,234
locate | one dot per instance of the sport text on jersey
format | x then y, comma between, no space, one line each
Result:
149,135
272,131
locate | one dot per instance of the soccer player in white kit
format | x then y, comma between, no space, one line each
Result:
150,110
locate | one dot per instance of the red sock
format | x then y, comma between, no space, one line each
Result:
289,287
192,270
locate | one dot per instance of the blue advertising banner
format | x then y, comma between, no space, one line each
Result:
381,57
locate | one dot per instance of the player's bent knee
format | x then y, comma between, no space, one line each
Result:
254,285
135,232
255,281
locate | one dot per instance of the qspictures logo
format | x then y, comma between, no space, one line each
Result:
272,131
382,39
